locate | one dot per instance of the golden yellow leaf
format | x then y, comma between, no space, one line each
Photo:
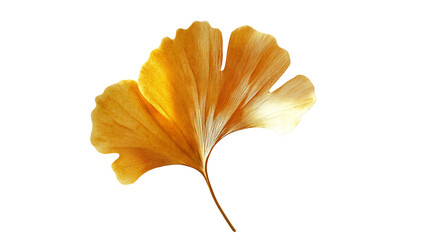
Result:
183,103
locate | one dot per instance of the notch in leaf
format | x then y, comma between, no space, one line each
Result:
183,103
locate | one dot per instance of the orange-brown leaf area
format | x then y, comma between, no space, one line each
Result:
183,103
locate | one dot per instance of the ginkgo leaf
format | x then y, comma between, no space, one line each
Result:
183,103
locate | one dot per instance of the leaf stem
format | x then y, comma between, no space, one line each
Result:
217,203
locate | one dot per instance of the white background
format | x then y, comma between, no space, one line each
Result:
356,167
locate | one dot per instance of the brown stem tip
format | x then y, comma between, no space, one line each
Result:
217,203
